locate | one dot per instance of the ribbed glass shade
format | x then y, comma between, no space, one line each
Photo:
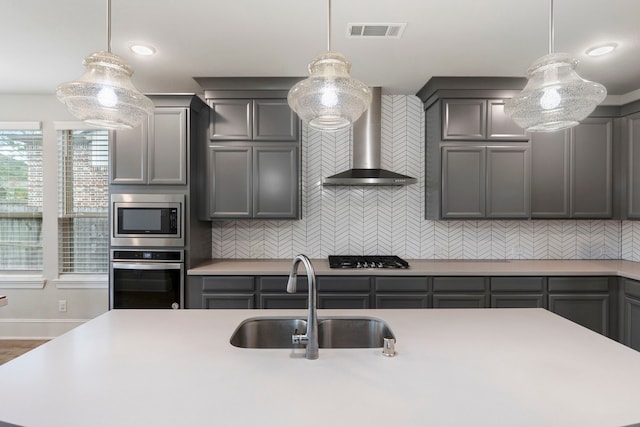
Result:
555,96
104,96
329,99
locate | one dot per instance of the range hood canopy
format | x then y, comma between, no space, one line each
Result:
366,152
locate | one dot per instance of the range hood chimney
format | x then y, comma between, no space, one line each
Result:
366,152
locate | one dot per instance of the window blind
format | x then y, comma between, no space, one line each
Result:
83,223
20,200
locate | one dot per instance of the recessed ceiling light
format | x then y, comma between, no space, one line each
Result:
602,49
143,49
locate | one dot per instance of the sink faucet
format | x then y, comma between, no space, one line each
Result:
310,339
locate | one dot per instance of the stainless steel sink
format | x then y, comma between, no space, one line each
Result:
333,332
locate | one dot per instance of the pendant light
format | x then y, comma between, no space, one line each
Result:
329,99
555,96
104,96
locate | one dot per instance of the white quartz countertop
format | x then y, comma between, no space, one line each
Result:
433,268
493,367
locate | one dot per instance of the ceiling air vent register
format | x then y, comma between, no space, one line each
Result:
375,30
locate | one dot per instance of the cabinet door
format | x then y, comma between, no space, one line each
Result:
463,182
508,182
633,166
168,147
591,169
344,300
403,300
550,174
275,182
464,119
231,119
500,126
128,154
631,314
273,120
459,300
588,310
283,301
230,182
517,300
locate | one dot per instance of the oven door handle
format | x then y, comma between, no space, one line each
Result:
147,266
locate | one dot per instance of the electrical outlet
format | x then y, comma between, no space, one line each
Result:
62,305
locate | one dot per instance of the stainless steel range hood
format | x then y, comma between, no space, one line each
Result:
366,152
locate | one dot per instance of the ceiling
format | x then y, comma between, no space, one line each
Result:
43,42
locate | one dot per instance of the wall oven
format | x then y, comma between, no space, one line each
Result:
146,278
142,220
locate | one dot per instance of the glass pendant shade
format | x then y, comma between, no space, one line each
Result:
329,99
104,96
555,96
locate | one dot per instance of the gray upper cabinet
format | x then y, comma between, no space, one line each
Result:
477,160
477,120
152,153
252,119
632,146
485,182
253,181
572,171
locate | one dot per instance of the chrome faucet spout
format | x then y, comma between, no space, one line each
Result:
310,339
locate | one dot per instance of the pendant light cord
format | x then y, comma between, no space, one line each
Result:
551,30
109,26
328,25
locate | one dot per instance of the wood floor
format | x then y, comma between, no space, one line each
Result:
10,349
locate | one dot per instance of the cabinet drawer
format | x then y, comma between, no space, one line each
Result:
578,284
517,284
228,283
460,284
401,284
632,288
279,283
344,284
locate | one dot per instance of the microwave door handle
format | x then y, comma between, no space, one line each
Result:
147,266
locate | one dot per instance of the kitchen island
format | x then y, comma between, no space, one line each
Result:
499,367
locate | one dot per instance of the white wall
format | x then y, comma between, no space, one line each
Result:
33,304
390,220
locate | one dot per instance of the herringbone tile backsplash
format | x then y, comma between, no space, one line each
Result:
390,220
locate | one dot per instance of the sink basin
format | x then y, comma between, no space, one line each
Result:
333,332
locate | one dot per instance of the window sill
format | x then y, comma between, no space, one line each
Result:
82,281
22,281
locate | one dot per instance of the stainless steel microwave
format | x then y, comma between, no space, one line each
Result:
141,220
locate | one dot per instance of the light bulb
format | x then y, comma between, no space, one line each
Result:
329,97
550,99
107,97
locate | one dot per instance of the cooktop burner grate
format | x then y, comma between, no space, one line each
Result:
367,261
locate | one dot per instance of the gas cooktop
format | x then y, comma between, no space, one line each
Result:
367,261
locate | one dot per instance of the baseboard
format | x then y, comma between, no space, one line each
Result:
37,328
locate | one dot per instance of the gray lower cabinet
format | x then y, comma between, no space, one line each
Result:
221,292
584,300
152,153
253,182
572,171
460,292
344,292
518,292
401,292
485,181
631,314
273,292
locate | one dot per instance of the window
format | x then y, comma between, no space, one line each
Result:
83,223
20,200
